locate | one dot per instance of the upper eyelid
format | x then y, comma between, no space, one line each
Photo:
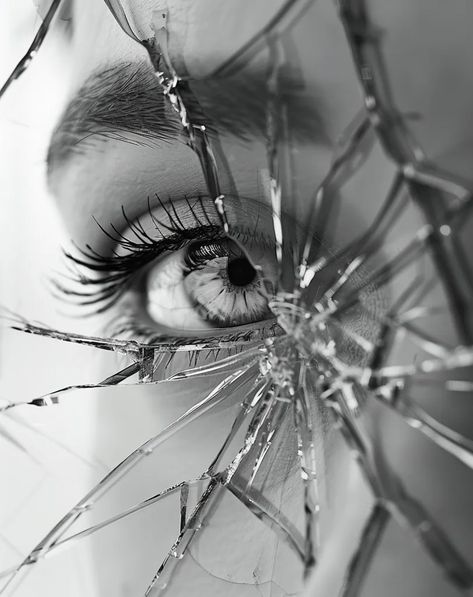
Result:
186,214
131,230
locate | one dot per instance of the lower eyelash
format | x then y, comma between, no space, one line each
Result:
126,326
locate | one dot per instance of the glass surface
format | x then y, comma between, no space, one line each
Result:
270,392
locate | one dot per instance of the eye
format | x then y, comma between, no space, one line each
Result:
173,271
207,284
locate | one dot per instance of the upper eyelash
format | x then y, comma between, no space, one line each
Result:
116,271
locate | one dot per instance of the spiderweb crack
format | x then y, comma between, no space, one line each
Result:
312,362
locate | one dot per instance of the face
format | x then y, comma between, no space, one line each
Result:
135,169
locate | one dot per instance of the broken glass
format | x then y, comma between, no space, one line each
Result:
364,370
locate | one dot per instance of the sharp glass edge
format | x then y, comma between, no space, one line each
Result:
197,136
364,241
40,551
222,480
282,528
159,583
131,347
215,397
308,470
35,45
284,19
366,549
447,439
273,124
68,542
406,510
347,148
183,499
398,142
53,398
253,399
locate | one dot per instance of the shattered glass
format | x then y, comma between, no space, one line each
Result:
371,347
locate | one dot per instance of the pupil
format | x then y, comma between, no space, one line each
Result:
240,271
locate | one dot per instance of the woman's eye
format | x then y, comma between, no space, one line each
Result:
207,284
172,271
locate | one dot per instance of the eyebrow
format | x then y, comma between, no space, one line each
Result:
123,98
128,98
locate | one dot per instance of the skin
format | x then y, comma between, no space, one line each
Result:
113,173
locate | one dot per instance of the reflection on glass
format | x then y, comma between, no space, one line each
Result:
270,252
